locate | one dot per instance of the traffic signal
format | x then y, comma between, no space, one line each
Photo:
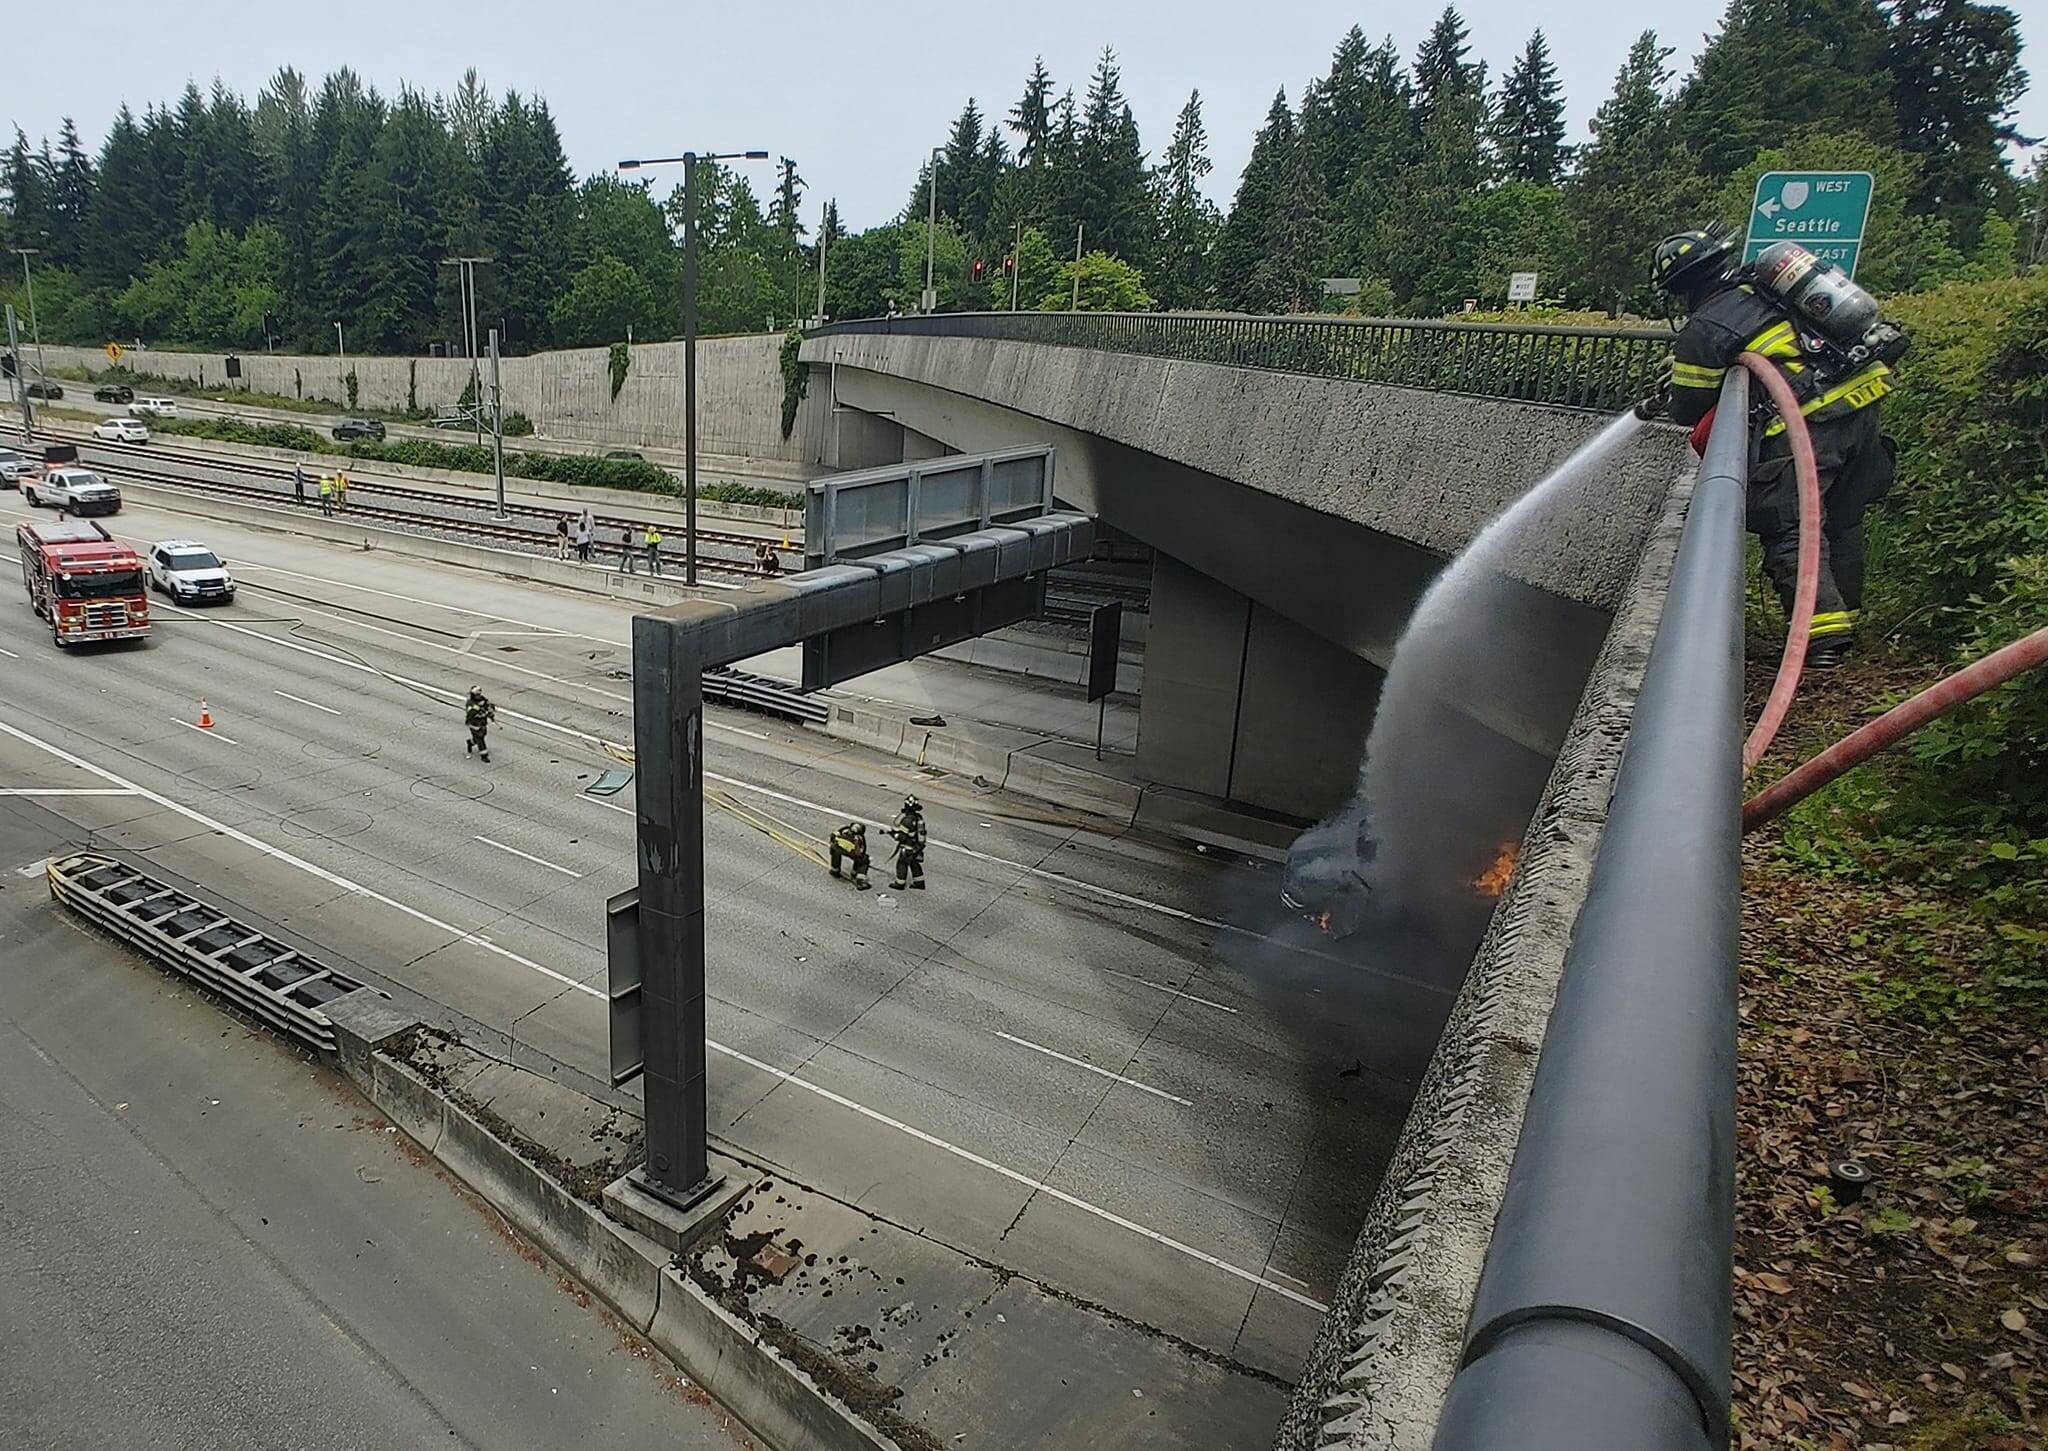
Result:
979,267
1009,266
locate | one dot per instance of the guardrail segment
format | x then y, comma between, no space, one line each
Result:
1604,1313
1599,368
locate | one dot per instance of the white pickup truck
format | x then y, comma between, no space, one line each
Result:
73,489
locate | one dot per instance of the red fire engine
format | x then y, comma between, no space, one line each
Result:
88,586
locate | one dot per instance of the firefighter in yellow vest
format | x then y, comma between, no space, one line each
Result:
850,853
1726,316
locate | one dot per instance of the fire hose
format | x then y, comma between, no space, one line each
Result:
1988,672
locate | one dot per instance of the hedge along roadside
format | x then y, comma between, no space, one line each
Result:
631,474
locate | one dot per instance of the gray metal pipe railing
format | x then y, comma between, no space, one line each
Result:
1603,1316
1604,368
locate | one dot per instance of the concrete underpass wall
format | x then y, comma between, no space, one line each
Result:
567,393
1242,703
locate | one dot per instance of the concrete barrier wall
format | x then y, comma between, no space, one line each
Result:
567,394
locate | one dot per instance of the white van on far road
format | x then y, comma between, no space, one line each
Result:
153,408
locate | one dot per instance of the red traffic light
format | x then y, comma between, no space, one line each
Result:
1009,265
979,265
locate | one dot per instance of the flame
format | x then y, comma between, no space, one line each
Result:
1322,920
1494,880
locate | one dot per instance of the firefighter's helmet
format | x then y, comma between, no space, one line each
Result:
911,806
1682,263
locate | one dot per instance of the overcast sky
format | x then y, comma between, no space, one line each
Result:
853,95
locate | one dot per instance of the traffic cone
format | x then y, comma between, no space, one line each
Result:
205,715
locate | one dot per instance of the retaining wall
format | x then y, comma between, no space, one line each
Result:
567,394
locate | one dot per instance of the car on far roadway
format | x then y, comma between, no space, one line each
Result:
75,490
12,467
350,428
153,408
121,430
44,388
114,393
624,456
189,572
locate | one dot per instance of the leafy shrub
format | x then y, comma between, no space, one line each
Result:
1959,557
796,380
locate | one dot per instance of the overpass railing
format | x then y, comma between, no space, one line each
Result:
1604,1314
1606,369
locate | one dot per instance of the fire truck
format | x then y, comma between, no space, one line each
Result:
85,583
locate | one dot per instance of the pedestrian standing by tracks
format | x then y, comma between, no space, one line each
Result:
561,536
341,488
586,533
326,493
628,560
299,483
652,539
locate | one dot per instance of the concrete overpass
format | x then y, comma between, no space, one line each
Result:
1296,519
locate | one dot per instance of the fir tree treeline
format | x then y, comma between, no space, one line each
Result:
1431,181
318,205
1426,177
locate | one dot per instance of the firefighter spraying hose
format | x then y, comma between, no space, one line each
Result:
1822,353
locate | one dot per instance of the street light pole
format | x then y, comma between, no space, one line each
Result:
824,240
1079,228
931,227
341,368
689,160
497,425
35,324
466,277
1016,265
28,413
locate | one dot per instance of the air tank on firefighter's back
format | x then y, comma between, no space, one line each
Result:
1825,299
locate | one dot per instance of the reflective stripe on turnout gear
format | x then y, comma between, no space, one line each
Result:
1833,622
1692,375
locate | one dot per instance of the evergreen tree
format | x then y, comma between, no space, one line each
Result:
1441,70
1115,204
1060,199
71,184
346,121
1259,266
789,195
468,114
1031,117
1956,76
525,211
1528,121
1780,66
1633,184
118,231
1188,221
401,227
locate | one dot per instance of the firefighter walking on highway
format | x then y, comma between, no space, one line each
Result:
477,714
1729,314
850,853
910,843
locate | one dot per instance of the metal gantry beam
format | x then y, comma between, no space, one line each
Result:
656,953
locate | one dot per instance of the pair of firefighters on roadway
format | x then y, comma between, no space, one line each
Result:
1727,316
849,842
849,847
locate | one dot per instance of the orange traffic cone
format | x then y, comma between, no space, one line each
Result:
205,715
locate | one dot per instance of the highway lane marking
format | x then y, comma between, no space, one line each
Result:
208,731
1162,987
1084,1063
334,879
300,699
10,654
537,861
613,747
64,791
450,649
1036,1184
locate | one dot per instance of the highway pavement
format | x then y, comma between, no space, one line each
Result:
207,1241
1102,1060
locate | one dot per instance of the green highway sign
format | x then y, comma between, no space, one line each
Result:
1823,211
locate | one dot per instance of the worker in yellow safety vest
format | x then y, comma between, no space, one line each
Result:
1728,315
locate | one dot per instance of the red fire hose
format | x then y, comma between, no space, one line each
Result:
1793,660
2022,655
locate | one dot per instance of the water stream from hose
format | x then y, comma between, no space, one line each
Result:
1440,789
